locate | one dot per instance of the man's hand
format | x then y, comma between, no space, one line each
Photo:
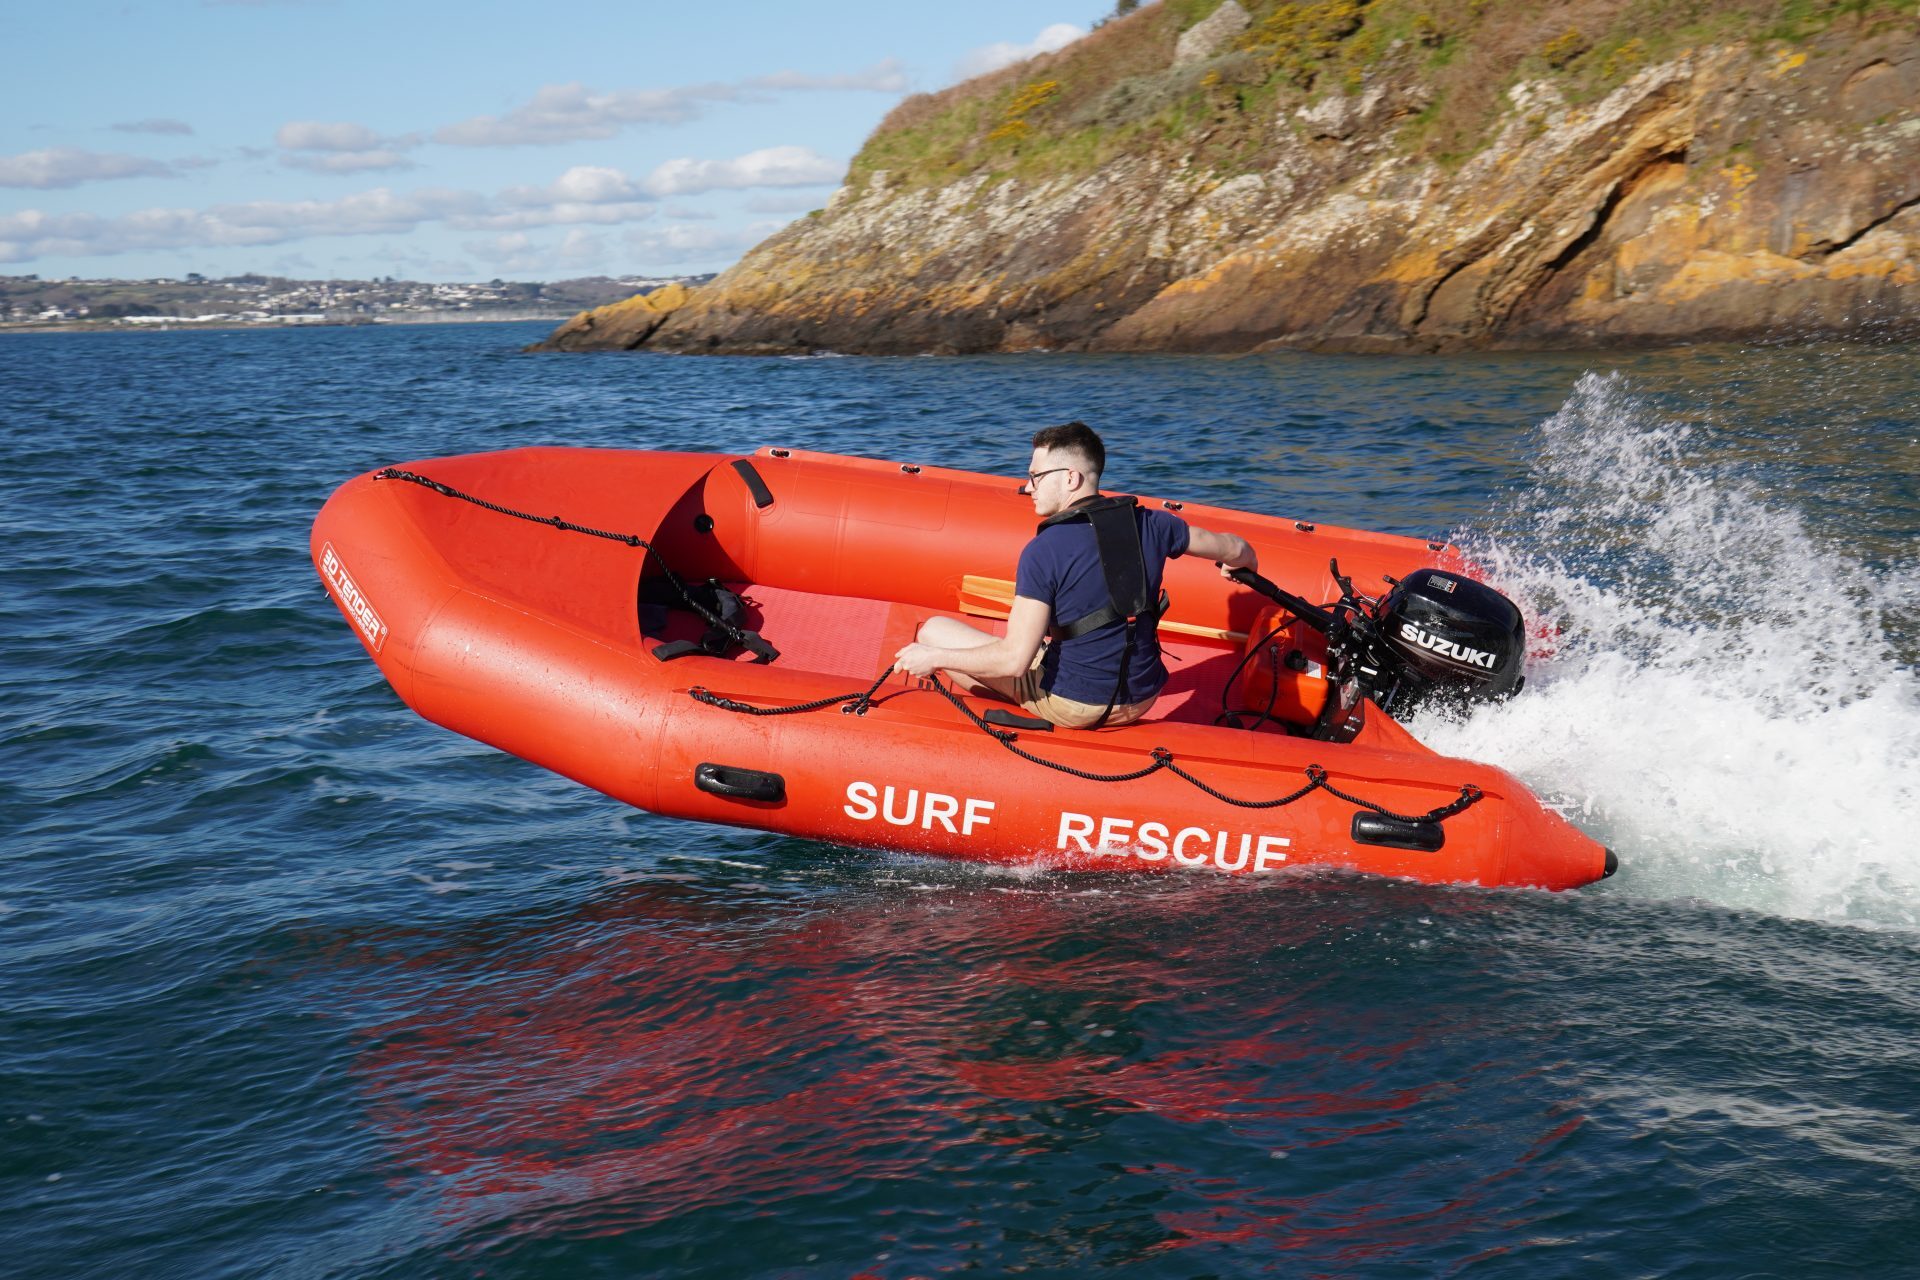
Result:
916,660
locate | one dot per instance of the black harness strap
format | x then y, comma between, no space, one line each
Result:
713,599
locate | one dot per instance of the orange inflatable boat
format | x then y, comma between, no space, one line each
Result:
710,637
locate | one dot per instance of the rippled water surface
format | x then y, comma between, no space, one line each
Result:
299,985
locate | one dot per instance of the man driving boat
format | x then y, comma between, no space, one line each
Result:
1090,581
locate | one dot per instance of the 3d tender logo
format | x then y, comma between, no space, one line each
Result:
352,600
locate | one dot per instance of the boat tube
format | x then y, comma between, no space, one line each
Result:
711,637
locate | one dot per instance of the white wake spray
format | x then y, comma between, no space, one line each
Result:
1725,706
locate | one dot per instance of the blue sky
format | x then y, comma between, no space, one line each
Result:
443,141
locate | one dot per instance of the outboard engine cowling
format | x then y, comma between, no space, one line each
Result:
1453,641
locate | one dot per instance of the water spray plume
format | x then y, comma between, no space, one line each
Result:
1726,703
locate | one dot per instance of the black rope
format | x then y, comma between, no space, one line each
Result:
1470,795
1162,758
1317,779
857,703
736,634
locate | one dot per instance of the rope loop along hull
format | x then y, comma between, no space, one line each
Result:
519,598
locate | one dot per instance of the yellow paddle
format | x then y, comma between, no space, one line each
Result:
993,598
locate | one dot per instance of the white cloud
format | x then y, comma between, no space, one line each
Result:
582,246
574,112
1004,53
154,126
377,210
885,76
514,254
519,254
562,213
676,244
314,135
69,167
770,167
341,147
582,184
33,233
347,161
581,196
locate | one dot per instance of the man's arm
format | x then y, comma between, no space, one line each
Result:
1230,549
1008,655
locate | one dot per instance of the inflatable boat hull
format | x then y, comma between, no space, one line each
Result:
534,638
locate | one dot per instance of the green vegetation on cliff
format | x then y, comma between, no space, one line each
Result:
1113,94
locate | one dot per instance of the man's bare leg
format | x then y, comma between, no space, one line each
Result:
951,633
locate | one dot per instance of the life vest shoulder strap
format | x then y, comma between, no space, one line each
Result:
1123,562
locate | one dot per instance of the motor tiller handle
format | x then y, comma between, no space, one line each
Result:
1311,614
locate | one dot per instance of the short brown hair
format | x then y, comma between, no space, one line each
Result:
1075,437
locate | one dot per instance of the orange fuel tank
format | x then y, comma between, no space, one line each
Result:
522,598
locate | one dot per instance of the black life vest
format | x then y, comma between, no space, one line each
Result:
1123,563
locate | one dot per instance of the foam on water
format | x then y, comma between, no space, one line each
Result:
1726,705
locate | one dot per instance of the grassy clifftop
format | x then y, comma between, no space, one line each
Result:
1114,94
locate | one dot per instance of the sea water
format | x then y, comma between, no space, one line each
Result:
297,984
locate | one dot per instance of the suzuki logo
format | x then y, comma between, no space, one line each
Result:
1446,648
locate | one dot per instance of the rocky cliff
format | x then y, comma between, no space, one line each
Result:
1387,176
618,326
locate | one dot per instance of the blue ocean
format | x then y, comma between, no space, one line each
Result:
299,985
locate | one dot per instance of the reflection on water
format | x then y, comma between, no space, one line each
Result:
1141,1069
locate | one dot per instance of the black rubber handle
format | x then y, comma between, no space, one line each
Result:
762,496
739,784
1398,833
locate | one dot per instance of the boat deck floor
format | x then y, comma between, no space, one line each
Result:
857,638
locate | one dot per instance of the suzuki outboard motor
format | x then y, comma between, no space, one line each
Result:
1437,639
1452,641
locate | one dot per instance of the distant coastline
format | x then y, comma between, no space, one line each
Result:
176,325
29,304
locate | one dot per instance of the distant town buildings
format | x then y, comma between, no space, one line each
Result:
29,302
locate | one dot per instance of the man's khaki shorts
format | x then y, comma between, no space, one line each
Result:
1025,690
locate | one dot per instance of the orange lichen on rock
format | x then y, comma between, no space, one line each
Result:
622,325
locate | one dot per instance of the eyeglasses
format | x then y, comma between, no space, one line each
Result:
1035,477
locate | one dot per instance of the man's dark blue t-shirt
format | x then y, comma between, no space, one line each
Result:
1061,569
